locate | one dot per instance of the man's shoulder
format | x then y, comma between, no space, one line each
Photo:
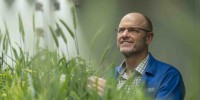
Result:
161,66
166,77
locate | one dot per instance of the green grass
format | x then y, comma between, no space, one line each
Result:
46,75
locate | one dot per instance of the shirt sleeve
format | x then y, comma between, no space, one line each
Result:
172,86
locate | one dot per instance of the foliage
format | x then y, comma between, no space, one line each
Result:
46,75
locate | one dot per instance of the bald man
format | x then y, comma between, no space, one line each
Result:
161,80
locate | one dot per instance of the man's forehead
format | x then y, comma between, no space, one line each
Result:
132,19
133,16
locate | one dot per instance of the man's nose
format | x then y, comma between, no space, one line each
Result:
125,33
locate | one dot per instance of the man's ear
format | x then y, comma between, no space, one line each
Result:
149,38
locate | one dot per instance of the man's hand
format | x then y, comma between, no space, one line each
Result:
97,83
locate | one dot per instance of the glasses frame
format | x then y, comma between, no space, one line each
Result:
133,29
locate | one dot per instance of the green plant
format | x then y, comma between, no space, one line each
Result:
46,75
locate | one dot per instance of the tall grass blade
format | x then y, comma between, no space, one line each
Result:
54,36
7,33
21,27
15,53
106,72
73,10
74,13
68,29
33,21
73,34
22,55
104,55
1,37
1,60
5,44
8,36
62,33
37,56
63,37
95,38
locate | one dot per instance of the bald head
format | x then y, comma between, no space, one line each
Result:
138,20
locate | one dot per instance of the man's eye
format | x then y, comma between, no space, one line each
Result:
132,30
121,30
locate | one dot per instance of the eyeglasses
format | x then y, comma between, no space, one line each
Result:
131,30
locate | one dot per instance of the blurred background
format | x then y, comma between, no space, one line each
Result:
176,24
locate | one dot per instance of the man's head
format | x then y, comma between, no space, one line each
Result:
134,34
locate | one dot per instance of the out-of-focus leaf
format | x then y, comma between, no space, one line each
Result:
33,21
75,95
62,33
54,36
8,35
68,29
73,10
1,36
37,56
104,55
15,53
21,27
95,37
5,44
22,54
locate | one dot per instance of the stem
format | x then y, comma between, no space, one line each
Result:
67,51
76,42
6,63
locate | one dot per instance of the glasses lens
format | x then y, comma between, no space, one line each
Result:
133,30
121,30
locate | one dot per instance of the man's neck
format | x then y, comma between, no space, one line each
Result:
133,61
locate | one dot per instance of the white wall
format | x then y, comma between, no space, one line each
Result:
42,19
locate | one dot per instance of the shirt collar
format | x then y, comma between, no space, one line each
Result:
140,68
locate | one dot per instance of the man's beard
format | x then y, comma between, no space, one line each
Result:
133,53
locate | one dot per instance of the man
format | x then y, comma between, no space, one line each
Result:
161,80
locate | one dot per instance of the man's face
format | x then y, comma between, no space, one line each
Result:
132,40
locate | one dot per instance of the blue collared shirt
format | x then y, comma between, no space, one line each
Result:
162,81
